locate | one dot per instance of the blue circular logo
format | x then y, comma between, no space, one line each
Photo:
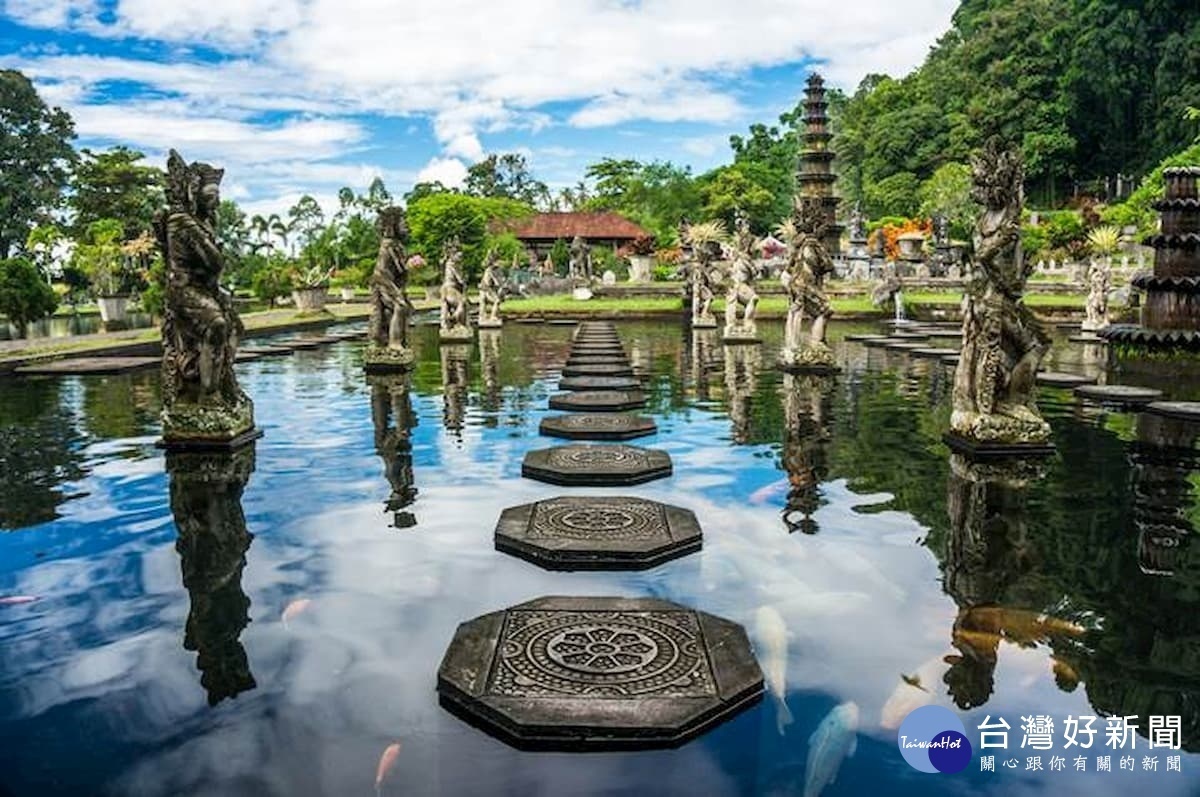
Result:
933,739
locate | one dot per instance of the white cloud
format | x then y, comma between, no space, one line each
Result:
450,172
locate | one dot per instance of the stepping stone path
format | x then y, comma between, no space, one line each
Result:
863,338
565,673
599,383
585,673
267,351
932,353
1061,379
1119,395
1181,410
903,345
879,343
88,365
596,466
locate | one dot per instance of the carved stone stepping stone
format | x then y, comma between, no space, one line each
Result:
268,351
599,400
529,320
244,356
945,335
88,365
1128,395
1182,410
863,338
598,426
879,343
932,353
903,345
301,343
596,465
598,370
1061,379
601,347
599,383
910,336
578,673
562,322
597,359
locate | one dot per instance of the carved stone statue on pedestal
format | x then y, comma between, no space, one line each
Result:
387,333
1003,343
203,407
1099,282
703,282
741,292
581,260
455,326
491,293
804,281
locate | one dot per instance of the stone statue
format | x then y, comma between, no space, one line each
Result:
1003,342
454,327
703,282
212,540
387,333
803,279
858,224
393,418
1099,283
491,292
202,403
581,260
741,292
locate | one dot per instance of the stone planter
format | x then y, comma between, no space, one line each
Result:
347,294
113,309
640,268
308,300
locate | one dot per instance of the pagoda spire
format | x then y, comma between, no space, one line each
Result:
814,169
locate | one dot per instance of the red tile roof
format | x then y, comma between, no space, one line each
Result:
552,226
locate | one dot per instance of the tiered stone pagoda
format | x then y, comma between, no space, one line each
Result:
1171,311
814,172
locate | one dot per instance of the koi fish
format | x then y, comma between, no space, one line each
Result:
387,760
771,631
295,609
768,492
834,740
16,600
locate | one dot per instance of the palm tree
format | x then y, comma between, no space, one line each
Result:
261,228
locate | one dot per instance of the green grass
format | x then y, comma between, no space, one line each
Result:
565,304
1031,299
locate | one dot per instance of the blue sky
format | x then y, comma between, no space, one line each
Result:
305,96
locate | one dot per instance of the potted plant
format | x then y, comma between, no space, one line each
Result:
641,259
311,289
102,258
345,281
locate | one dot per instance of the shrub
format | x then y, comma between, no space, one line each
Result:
1064,229
24,295
272,281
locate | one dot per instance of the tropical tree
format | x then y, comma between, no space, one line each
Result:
24,294
115,184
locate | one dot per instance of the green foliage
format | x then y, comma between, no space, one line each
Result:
728,190
153,296
896,195
1138,210
34,163
115,185
1064,229
435,219
1034,240
24,294
505,177
604,259
560,254
948,191
656,195
98,255
507,248
272,280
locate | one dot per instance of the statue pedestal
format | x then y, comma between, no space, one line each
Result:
704,323
490,323
382,359
983,451
460,334
208,427
809,358
740,334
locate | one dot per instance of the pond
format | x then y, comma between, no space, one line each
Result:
61,326
191,636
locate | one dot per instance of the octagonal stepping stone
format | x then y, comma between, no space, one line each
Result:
599,400
903,345
246,356
1062,379
597,533
878,343
597,426
612,369
933,352
579,673
597,359
268,351
599,383
863,338
1181,410
597,347
562,322
910,336
596,465
1128,395
301,343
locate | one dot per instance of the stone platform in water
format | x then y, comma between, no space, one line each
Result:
598,359
613,369
247,356
599,383
598,400
598,426
991,451
577,673
596,465
903,345
83,366
1180,410
878,343
300,343
268,351
863,338
1062,379
910,336
562,322
1118,395
932,353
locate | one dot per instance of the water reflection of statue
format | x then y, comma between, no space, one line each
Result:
703,352
491,292
212,540
804,448
804,279
489,361
393,417
1099,282
387,333
741,382
1164,461
454,295
202,403
741,292
454,386
581,260
1003,342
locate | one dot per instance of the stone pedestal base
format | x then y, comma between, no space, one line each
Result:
740,333
704,323
380,359
978,450
455,334
208,427
490,323
808,357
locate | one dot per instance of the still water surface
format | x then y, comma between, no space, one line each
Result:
157,660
